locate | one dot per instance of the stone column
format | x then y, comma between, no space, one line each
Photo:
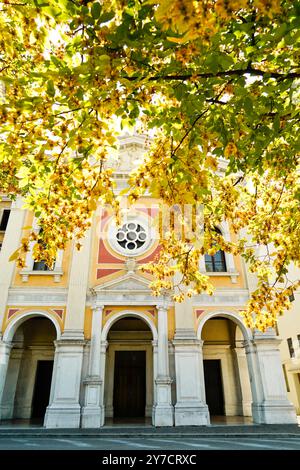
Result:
93,412
191,408
64,409
270,404
5,348
163,412
11,242
7,407
243,374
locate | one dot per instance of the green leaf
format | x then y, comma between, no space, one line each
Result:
109,15
96,10
50,88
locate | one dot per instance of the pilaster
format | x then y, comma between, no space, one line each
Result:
5,348
271,405
163,409
93,410
64,409
191,408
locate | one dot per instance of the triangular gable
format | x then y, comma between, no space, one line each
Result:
127,283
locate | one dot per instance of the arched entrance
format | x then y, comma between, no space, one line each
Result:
226,376
128,392
28,380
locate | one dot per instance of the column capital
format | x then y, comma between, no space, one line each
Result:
6,344
97,306
103,346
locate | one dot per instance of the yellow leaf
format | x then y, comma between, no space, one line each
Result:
177,40
15,255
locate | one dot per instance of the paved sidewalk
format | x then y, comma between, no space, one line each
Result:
274,430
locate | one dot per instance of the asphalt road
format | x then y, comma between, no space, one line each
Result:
151,443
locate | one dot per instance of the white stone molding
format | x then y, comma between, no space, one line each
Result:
163,408
222,298
130,289
54,296
93,412
21,318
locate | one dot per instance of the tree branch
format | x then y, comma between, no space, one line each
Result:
239,72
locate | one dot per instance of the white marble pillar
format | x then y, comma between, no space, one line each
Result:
191,408
93,411
5,348
64,408
244,380
163,412
270,402
154,349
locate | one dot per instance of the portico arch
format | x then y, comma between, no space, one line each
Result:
28,379
128,313
130,366
247,334
19,319
228,376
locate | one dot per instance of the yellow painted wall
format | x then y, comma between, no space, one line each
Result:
289,327
216,331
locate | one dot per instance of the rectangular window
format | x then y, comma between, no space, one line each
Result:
4,219
285,378
40,266
291,348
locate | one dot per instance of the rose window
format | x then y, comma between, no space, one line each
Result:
131,236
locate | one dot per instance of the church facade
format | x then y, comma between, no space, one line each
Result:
87,344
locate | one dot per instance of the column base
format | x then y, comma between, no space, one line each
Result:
163,415
62,417
274,413
191,415
92,417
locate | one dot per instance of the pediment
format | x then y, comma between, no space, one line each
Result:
128,283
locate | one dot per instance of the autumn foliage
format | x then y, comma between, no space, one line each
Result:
216,82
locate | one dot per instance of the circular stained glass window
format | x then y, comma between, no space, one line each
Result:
131,236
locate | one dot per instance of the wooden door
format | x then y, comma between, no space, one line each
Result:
213,386
129,384
42,389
